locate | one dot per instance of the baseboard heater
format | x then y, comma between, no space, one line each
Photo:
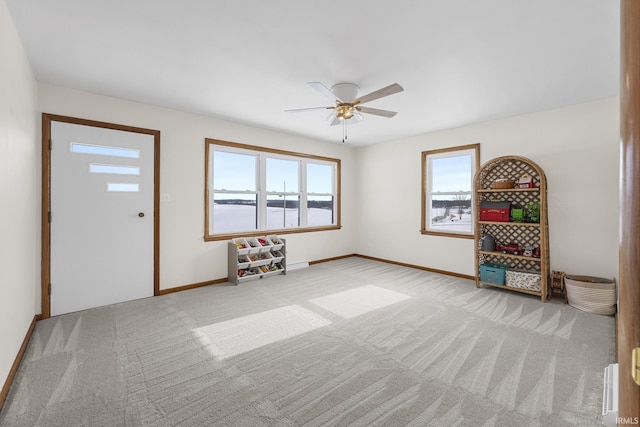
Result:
610,396
297,265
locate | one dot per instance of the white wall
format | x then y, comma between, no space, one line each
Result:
578,149
19,195
185,258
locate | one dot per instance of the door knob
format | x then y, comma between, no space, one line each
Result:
140,214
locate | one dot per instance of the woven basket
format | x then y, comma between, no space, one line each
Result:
523,279
591,294
500,185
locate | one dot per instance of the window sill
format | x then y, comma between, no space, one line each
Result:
445,234
213,238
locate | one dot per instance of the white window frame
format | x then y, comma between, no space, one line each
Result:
212,145
427,191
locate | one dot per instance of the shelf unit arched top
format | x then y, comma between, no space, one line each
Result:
509,167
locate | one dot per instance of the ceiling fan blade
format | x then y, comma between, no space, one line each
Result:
376,111
302,110
325,91
385,91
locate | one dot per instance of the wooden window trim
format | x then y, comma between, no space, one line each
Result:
423,218
215,237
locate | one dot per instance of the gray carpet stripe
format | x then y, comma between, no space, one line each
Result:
477,379
540,399
427,416
506,390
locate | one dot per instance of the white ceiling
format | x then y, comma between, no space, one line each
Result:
459,61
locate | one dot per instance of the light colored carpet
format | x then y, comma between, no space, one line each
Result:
351,342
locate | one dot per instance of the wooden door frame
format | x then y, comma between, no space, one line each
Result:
628,326
45,276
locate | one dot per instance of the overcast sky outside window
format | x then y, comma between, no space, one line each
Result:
233,171
451,174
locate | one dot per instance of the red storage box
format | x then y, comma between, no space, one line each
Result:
495,211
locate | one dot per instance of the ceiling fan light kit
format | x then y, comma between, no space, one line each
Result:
344,111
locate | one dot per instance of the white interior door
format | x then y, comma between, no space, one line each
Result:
102,218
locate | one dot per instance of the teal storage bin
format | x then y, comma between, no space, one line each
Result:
493,272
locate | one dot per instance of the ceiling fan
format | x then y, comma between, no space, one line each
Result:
343,110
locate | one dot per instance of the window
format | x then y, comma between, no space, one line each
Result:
252,189
103,150
114,169
447,190
123,187
283,195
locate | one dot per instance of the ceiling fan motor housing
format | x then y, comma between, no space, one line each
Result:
345,91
